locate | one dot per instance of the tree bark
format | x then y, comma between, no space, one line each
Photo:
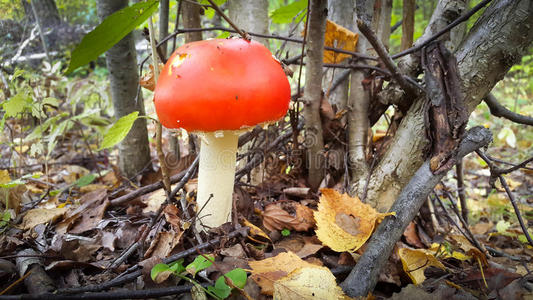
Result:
191,19
47,12
358,104
250,16
408,24
497,41
341,12
163,25
313,94
363,278
382,20
134,152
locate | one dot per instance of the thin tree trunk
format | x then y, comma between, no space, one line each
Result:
382,20
47,12
191,19
341,12
497,41
358,104
408,24
250,16
314,140
163,24
134,152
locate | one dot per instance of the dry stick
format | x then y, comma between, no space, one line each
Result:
230,22
124,294
497,173
387,60
132,276
461,190
363,277
516,167
498,110
443,31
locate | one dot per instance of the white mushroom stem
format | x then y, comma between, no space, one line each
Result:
216,176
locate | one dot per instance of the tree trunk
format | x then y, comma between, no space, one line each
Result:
382,19
408,24
496,42
358,104
250,16
191,19
341,12
134,152
314,140
46,11
163,25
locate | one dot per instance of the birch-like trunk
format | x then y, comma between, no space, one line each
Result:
497,41
314,140
134,152
358,104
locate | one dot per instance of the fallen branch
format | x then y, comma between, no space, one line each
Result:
364,276
498,110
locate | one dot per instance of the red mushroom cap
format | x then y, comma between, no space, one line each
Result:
221,84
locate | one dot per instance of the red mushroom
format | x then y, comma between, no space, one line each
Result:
219,88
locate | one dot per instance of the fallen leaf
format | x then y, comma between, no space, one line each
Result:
317,283
171,215
414,263
154,201
411,236
338,37
288,215
265,272
93,212
344,223
303,246
38,216
163,244
256,232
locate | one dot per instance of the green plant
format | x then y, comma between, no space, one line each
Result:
221,290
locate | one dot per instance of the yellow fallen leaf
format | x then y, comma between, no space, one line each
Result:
38,216
344,223
414,263
338,37
255,231
4,176
317,283
265,272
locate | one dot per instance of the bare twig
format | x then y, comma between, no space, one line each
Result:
387,60
498,110
461,190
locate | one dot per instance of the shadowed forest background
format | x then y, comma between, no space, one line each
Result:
402,169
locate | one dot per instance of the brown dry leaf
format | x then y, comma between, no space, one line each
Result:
154,201
411,236
344,223
93,187
163,244
14,195
255,232
38,216
482,228
147,80
171,215
265,272
338,37
317,283
71,173
303,246
94,206
416,261
288,214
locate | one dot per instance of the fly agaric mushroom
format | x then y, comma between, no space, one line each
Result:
219,88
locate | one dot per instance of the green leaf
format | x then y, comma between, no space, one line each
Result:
209,12
237,276
502,226
200,263
109,32
177,266
119,130
285,232
158,269
285,14
16,104
85,180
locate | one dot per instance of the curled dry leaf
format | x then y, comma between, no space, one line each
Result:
171,215
265,272
288,214
344,223
38,216
414,263
147,80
